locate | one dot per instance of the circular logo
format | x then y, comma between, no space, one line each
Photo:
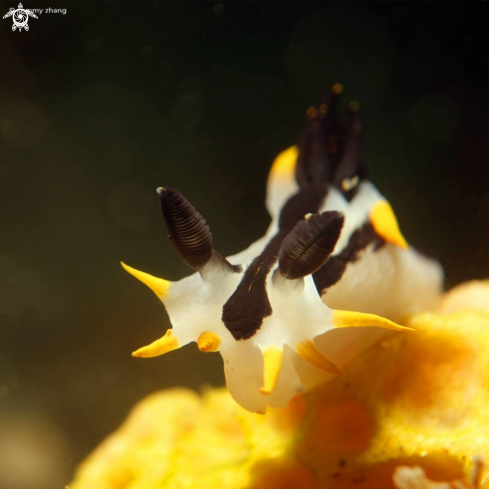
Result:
20,17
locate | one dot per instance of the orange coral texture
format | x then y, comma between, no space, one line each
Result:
412,399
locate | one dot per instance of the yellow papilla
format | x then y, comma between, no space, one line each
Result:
385,224
308,351
272,363
208,342
284,164
417,399
159,286
168,342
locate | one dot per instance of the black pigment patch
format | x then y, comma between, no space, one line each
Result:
332,271
330,154
306,248
188,232
306,201
244,311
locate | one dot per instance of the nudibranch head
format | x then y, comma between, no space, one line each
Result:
264,309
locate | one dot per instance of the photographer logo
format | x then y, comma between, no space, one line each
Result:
20,16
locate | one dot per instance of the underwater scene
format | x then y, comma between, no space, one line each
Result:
244,245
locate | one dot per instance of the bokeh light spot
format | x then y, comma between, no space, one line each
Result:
33,453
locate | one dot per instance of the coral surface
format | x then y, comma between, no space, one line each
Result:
412,399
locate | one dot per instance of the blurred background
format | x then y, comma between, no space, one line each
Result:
101,105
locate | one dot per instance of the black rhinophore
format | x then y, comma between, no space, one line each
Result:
188,232
307,247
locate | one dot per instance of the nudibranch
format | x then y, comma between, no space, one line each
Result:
333,258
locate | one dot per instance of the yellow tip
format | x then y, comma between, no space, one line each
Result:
312,112
284,164
309,352
208,342
353,106
158,285
272,357
385,224
351,319
165,344
337,88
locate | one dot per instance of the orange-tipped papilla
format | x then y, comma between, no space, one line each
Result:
337,88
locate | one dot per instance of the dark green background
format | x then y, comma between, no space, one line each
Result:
100,106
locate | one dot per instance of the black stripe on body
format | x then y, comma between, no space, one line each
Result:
330,154
244,311
332,271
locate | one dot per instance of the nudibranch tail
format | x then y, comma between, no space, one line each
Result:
159,286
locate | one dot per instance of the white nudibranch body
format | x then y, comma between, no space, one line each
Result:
297,305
